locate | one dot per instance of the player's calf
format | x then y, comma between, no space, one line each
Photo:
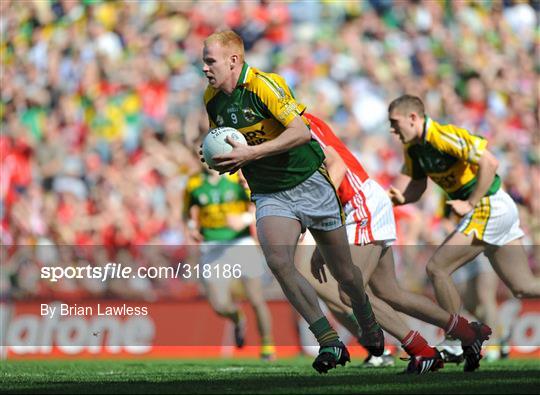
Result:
372,336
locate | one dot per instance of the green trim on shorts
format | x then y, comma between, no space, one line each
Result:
324,172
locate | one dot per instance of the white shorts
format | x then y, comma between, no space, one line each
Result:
243,252
494,220
314,203
369,216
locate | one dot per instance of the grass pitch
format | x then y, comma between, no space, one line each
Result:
233,376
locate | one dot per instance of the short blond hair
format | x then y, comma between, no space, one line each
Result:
228,39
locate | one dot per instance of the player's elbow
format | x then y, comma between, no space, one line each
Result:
341,172
305,136
302,134
418,187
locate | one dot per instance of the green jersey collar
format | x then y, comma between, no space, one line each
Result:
243,75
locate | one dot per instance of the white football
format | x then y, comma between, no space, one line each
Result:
214,143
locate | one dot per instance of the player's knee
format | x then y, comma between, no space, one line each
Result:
434,269
518,293
523,291
257,302
279,265
344,276
222,309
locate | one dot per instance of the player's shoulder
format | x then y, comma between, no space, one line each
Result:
434,128
441,130
262,82
194,182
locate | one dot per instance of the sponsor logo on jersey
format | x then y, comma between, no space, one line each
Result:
219,120
249,114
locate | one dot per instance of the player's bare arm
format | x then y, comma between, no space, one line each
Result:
335,165
193,230
487,168
411,193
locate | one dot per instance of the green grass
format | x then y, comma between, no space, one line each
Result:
288,376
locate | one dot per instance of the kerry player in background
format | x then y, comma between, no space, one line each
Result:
219,214
460,163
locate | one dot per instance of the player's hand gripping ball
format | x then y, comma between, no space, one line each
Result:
214,143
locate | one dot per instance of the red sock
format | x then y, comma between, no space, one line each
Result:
416,346
459,328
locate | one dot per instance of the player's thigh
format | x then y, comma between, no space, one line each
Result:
366,258
511,264
278,237
456,250
218,293
336,251
383,281
254,289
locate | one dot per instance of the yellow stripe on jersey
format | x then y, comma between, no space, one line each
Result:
478,222
271,84
450,139
456,141
193,183
273,91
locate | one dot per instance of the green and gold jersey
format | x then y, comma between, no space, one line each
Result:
261,107
449,156
215,200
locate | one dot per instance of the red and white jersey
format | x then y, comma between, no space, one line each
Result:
356,176
368,210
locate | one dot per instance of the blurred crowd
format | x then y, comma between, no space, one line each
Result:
101,108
